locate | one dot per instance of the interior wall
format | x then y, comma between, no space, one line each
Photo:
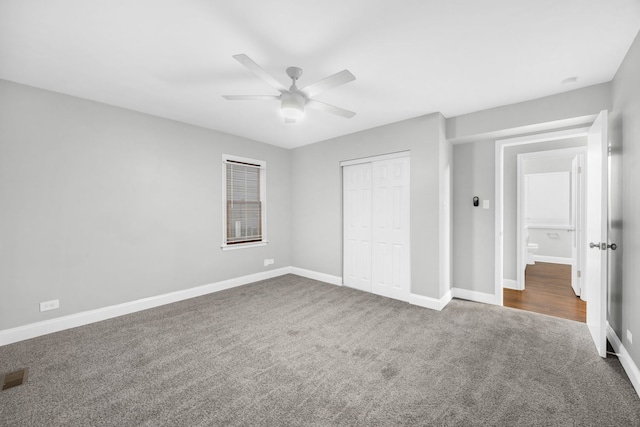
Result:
564,109
473,227
551,242
624,295
317,196
102,205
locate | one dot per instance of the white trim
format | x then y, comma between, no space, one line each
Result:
475,296
510,284
376,158
498,223
500,144
558,152
567,227
33,330
546,136
521,130
552,259
625,359
262,165
432,303
243,245
322,277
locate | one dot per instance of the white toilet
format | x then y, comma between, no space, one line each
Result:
531,248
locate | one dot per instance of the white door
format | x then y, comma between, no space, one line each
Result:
390,226
577,222
357,226
596,224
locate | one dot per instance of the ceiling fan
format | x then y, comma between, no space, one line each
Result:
293,100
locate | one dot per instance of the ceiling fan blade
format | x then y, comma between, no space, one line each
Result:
289,120
330,109
258,71
330,82
251,97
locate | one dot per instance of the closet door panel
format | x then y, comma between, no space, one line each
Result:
357,226
390,226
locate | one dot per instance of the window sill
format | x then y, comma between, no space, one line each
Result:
243,245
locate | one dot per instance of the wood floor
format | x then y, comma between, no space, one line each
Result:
548,291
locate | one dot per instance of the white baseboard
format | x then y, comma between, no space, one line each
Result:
432,303
552,259
473,296
323,277
625,359
33,330
415,299
510,284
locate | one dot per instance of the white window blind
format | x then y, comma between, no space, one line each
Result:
244,204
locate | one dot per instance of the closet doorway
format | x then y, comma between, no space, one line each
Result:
376,219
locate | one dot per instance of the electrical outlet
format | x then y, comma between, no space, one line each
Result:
629,337
50,305
268,261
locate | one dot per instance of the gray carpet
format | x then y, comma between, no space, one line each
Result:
294,351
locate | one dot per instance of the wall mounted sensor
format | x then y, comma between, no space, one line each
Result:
476,201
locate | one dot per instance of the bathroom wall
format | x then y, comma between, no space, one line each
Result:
554,244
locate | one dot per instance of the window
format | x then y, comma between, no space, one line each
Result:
244,203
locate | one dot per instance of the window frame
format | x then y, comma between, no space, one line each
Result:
228,158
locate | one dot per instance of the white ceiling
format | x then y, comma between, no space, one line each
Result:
173,58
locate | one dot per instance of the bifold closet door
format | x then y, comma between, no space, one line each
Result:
390,226
376,227
357,226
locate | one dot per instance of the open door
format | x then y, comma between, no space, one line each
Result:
596,224
577,223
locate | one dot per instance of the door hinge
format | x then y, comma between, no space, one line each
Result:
579,169
579,274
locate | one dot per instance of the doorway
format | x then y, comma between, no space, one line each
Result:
549,229
596,220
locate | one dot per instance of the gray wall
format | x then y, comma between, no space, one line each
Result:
102,205
473,258
624,295
317,197
524,117
473,227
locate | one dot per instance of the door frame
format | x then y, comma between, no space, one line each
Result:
521,245
375,158
500,145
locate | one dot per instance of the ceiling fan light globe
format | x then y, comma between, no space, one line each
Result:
292,113
292,105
